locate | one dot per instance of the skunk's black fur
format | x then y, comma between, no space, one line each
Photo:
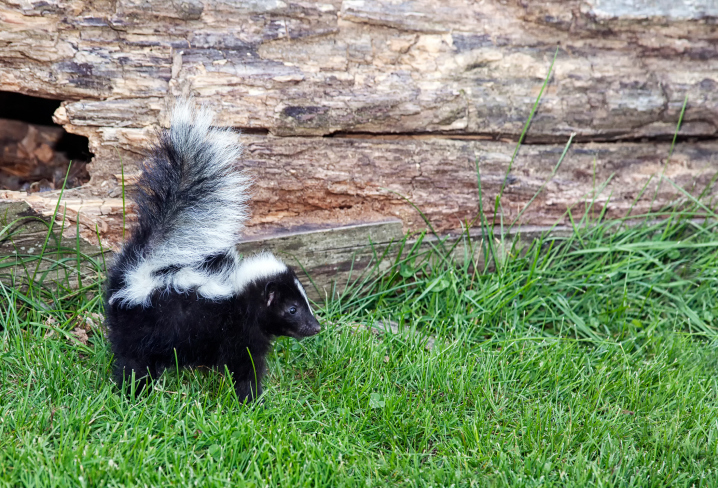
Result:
178,293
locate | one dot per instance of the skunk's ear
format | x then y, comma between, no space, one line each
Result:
270,290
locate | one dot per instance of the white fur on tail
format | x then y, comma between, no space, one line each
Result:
211,225
214,224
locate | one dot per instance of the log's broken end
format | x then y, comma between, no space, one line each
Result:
93,216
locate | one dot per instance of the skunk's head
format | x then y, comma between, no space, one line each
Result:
288,308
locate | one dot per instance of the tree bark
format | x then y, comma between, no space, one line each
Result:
412,92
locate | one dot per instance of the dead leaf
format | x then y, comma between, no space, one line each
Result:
91,322
81,335
49,321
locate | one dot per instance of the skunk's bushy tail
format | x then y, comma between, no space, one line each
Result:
191,197
191,206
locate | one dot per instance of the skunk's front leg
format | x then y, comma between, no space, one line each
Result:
247,371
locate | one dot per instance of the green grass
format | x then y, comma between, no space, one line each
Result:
589,360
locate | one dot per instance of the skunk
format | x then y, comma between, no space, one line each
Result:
178,293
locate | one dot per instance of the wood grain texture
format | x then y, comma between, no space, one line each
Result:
23,238
375,66
332,261
339,181
413,92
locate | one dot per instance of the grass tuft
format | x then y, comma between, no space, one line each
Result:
588,359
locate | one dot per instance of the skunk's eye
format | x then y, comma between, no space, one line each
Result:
292,310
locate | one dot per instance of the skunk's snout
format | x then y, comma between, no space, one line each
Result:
311,328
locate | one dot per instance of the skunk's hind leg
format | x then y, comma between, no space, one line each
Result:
129,370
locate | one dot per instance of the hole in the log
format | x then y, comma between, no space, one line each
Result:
34,151
253,131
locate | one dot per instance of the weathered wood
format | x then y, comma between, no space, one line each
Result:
380,66
328,256
327,260
22,240
421,70
101,217
339,181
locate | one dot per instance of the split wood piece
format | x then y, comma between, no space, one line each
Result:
330,182
25,234
381,66
325,259
331,257
334,259
94,215
336,181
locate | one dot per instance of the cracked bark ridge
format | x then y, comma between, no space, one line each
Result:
413,91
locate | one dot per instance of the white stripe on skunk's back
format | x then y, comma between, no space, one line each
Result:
257,267
141,282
